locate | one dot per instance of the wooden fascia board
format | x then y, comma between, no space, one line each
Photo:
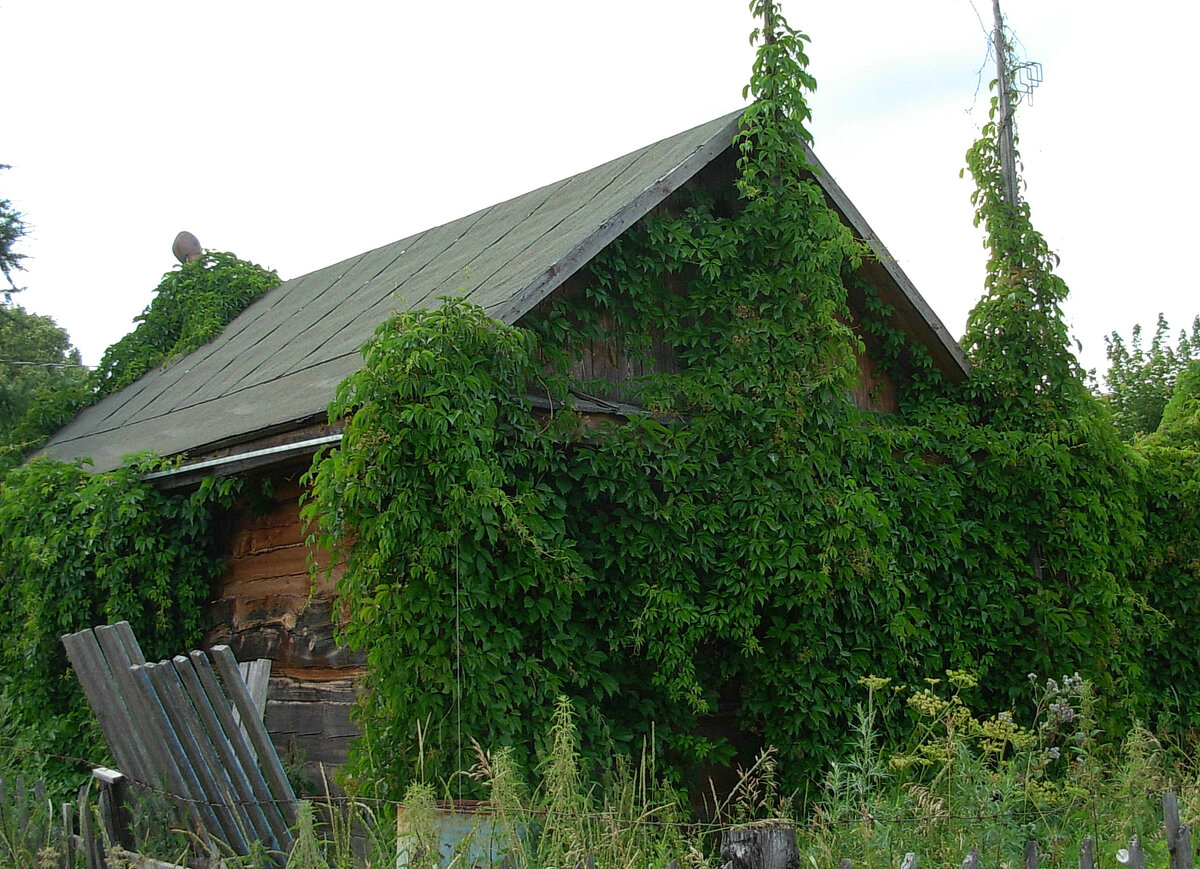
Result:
524,300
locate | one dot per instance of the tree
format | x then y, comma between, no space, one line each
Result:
1140,381
38,368
12,228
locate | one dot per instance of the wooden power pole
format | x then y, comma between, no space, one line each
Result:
1008,160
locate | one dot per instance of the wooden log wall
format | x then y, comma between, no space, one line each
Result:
267,606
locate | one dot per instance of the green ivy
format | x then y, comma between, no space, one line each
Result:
191,306
1170,577
754,543
81,549
456,571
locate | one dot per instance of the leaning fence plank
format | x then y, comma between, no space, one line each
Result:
1087,855
1185,847
270,805
186,786
149,721
101,688
909,861
241,789
257,676
129,641
971,861
267,758
200,757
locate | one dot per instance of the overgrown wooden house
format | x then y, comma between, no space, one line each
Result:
254,401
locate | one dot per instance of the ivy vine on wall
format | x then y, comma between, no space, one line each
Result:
96,549
753,544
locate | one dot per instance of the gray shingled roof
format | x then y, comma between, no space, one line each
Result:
277,364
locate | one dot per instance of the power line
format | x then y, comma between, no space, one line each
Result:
45,364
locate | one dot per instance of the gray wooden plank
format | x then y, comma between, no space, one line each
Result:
276,816
215,787
104,697
123,654
268,760
184,783
242,792
1087,857
124,634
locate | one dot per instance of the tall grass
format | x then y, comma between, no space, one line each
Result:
960,779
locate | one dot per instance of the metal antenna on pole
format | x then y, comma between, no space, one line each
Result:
1029,76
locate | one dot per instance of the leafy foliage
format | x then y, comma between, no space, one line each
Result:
98,548
1141,380
12,229
755,540
454,558
39,363
1059,485
1170,573
192,304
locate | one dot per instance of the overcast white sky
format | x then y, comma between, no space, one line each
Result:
297,134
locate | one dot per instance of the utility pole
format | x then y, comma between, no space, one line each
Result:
1008,160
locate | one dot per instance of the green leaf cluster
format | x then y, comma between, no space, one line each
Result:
456,571
12,229
191,306
1170,564
81,549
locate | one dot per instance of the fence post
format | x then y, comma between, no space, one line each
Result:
1185,847
68,836
1087,856
1031,854
1137,859
909,861
115,815
1179,849
772,847
971,861
1171,823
